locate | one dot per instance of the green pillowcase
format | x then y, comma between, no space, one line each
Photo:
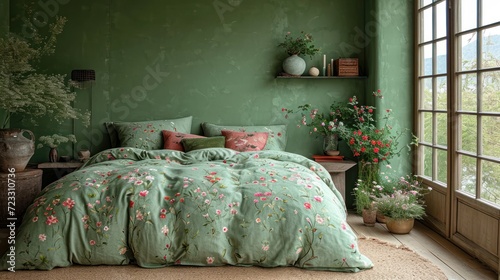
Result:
276,133
191,144
146,134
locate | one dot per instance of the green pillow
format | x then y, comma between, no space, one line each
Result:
276,133
191,144
146,134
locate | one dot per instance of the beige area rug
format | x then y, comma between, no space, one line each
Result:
390,262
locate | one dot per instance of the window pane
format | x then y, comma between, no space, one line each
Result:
441,58
426,26
426,96
490,187
442,124
427,137
468,15
424,3
441,20
468,175
468,140
490,136
491,47
467,92
491,92
442,165
442,93
467,52
490,11
427,161
426,60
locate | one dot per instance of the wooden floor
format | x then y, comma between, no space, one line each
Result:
453,261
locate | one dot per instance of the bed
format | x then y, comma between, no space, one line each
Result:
209,206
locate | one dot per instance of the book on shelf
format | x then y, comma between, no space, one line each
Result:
327,158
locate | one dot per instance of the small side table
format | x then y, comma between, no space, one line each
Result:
24,187
56,170
337,169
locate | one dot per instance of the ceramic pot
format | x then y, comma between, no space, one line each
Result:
399,226
380,218
294,65
369,217
15,149
53,155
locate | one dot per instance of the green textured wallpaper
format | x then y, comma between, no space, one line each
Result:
217,61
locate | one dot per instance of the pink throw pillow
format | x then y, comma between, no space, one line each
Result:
172,139
245,141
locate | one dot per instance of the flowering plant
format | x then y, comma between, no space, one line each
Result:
53,141
400,205
300,45
320,123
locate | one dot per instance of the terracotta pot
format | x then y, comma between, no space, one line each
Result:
369,217
15,149
399,226
380,218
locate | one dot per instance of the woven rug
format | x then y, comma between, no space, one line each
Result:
390,262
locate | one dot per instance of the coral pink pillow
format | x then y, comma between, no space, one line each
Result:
245,141
172,139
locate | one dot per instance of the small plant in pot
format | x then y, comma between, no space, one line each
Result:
365,204
53,141
302,45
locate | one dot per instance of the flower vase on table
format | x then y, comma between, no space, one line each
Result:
330,145
368,171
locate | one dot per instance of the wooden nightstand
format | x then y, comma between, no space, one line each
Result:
56,170
337,169
24,187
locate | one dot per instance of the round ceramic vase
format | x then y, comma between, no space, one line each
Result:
294,65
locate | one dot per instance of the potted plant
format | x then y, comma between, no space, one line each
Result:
302,45
53,141
365,204
26,92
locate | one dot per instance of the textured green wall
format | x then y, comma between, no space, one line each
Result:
4,17
217,61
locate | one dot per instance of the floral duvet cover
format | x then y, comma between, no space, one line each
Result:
208,207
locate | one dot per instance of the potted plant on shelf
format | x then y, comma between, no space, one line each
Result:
53,141
302,45
29,94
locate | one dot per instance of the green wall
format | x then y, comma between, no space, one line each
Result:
217,61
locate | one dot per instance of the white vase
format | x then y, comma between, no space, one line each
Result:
294,65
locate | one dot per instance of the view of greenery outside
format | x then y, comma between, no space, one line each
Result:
478,95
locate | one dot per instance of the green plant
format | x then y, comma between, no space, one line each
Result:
324,124
365,196
400,205
53,141
27,92
300,45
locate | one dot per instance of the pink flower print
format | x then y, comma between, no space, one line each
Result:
234,211
98,224
106,228
51,220
353,246
42,237
123,250
165,230
263,198
255,201
138,215
224,229
92,242
257,220
298,251
131,204
138,182
168,247
256,156
143,193
258,194
265,247
218,212
268,193
35,219
318,198
343,226
307,205
210,260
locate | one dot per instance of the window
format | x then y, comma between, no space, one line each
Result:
458,96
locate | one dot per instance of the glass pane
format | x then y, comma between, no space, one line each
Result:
468,175
426,60
427,129
442,93
490,11
490,136
426,96
467,92
442,124
441,58
426,25
490,187
441,20
424,3
467,52
442,166
491,92
468,137
427,161
468,15
491,47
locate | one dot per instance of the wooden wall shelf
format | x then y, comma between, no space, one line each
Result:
321,77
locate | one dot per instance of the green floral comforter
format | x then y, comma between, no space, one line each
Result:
207,207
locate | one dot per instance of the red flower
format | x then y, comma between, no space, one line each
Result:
376,150
131,204
307,205
365,137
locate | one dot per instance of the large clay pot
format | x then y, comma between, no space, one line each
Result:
15,149
294,65
399,226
